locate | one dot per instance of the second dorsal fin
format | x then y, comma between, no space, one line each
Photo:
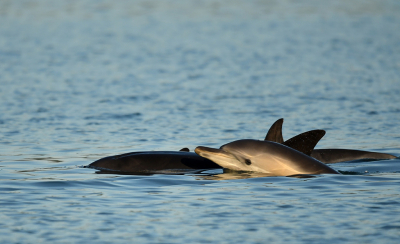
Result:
305,142
275,132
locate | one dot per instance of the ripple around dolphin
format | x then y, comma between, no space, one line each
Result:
369,167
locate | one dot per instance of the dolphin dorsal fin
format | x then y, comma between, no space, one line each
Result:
305,142
185,149
275,132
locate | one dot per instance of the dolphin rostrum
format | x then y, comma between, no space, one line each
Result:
328,156
264,156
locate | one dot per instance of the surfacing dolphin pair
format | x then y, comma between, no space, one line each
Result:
277,157
184,161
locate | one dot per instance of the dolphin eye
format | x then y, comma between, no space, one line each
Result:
247,161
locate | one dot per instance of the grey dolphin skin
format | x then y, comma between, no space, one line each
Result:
264,156
152,162
327,156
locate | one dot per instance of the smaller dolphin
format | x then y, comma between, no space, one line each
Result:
264,156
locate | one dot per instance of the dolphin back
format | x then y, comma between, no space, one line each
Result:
150,161
330,156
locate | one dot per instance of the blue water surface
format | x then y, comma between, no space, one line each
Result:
81,80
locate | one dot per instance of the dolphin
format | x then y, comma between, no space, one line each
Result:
327,156
154,162
265,157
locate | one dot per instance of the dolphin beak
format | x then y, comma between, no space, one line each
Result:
202,150
210,153
218,156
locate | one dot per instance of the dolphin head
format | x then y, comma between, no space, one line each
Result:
263,156
241,155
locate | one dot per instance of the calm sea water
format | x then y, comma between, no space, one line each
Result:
81,80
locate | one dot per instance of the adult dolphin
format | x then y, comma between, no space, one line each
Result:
265,157
328,156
